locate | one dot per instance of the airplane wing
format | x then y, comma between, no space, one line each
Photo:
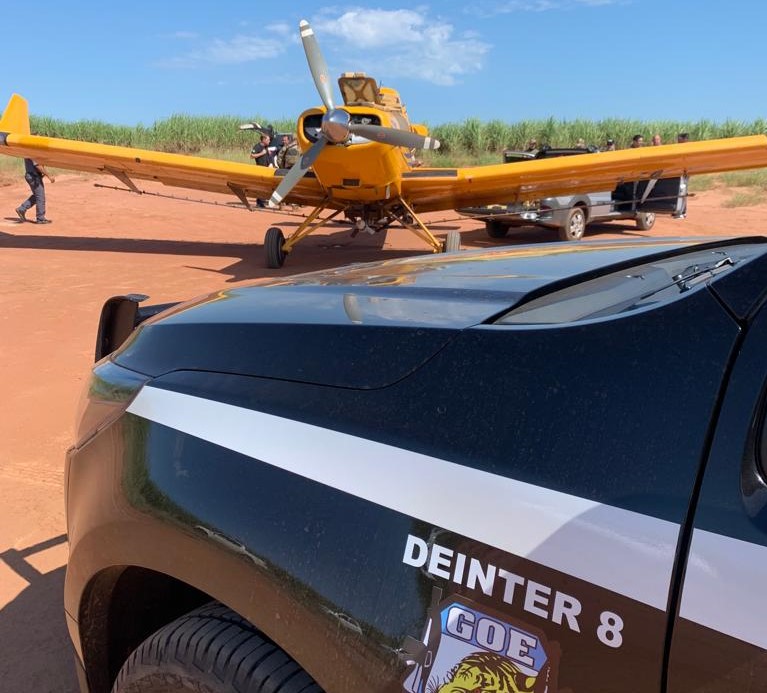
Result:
429,189
129,165
426,189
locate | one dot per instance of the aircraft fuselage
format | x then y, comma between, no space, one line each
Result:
358,171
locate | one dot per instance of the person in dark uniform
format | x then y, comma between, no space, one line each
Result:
288,153
263,157
33,174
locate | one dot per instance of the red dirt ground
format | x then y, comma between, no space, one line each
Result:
53,281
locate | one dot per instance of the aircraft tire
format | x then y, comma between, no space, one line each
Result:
496,229
645,221
574,225
275,255
452,242
210,650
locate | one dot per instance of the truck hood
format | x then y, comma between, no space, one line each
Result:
365,325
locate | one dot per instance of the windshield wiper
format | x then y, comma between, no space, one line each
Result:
695,274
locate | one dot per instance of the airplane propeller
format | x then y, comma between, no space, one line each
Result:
317,64
336,125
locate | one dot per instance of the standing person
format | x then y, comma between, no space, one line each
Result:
637,141
261,155
33,174
288,153
260,152
656,140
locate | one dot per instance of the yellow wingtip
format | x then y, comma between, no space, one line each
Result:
16,116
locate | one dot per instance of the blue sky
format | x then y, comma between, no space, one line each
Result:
138,62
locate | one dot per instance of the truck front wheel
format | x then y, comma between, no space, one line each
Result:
574,225
645,220
211,650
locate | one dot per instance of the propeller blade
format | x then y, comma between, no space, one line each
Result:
317,64
297,172
394,137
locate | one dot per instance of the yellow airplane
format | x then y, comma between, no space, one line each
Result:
357,160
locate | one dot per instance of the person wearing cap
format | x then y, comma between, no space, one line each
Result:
532,145
610,145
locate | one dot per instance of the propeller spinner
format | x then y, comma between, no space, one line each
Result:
337,124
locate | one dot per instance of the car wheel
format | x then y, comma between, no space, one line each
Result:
645,220
275,255
211,650
452,242
574,225
496,229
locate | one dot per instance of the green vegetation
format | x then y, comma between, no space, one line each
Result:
746,179
192,134
748,198
180,133
458,158
755,178
703,183
474,136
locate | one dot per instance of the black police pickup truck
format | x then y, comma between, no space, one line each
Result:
532,469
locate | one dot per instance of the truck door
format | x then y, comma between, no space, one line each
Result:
719,637
662,196
601,204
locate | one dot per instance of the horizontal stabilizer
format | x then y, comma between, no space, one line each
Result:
16,116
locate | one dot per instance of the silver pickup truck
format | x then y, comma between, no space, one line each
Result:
571,214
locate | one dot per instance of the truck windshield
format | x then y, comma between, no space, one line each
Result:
633,288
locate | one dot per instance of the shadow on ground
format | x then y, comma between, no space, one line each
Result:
315,252
321,251
36,653
478,238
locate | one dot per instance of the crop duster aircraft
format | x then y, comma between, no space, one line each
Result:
356,161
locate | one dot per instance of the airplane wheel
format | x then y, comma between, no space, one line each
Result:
275,255
452,242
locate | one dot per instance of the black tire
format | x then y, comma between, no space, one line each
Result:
574,226
496,229
645,220
211,650
275,255
452,242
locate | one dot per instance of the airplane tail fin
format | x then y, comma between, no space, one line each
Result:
15,116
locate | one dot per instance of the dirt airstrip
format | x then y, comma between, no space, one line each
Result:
53,281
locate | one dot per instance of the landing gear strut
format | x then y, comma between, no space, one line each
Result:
277,248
